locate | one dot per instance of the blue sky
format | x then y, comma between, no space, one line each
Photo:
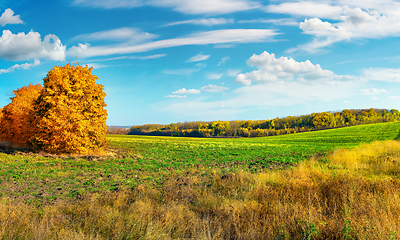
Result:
165,61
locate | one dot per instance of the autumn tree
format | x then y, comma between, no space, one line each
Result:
16,118
69,114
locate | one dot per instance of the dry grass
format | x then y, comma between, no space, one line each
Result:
354,194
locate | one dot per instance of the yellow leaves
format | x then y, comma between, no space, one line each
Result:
72,113
17,117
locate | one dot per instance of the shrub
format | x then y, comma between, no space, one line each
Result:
16,118
69,113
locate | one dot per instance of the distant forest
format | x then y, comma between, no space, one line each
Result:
263,128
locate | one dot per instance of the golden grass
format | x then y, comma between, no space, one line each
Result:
353,194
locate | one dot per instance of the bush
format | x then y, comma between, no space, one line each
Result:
69,113
16,118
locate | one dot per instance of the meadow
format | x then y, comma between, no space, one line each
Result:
337,183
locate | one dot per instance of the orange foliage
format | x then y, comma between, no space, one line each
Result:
70,115
16,118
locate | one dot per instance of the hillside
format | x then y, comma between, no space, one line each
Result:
272,127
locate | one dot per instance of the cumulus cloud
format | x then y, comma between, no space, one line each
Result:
214,76
134,35
183,6
203,38
8,18
271,69
205,22
199,57
23,46
349,23
24,66
186,91
372,91
214,88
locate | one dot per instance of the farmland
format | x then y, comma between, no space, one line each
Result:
290,186
136,160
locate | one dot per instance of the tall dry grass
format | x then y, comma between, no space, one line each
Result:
353,194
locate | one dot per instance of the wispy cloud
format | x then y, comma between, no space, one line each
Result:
224,36
214,76
199,57
176,96
133,35
24,66
205,22
214,88
279,21
372,91
184,6
223,60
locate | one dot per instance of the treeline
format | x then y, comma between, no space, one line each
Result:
277,126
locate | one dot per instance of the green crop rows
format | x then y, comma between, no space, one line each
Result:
151,160
180,152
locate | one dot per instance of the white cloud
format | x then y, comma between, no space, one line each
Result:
183,6
264,96
225,46
24,66
205,22
372,91
133,57
206,6
184,72
394,97
96,65
279,21
176,96
186,91
271,69
199,57
233,72
223,60
23,46
307,9
214,88
8,18
203,38
382,74
214,76
109,4
134,35
350,23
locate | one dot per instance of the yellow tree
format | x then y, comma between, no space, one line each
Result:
16,118
70,116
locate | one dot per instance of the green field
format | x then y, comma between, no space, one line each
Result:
38,179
